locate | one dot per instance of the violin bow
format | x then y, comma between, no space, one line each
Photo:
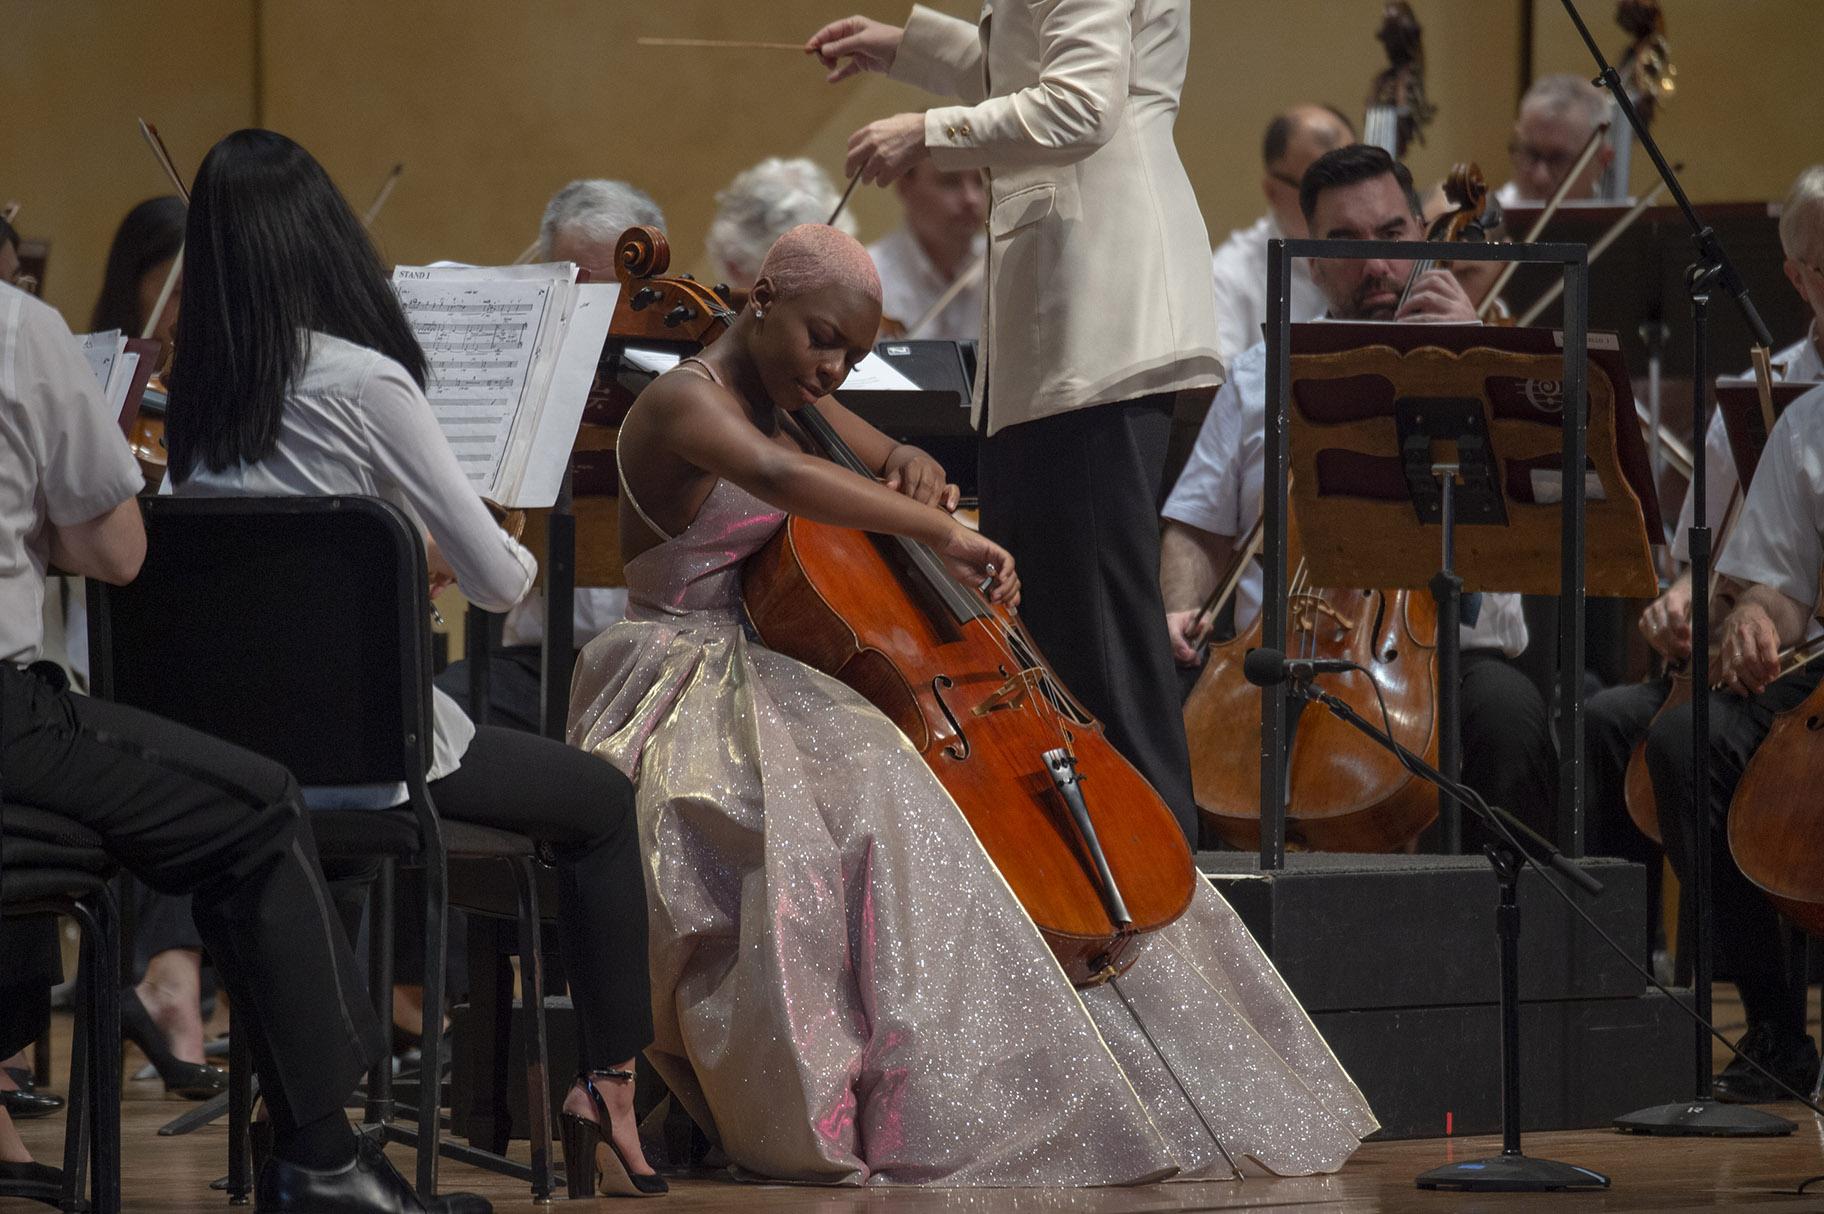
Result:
1600,247
385,192
163,155
1591,146
972,274
722,44
844,200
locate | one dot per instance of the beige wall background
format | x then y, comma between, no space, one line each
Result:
492,106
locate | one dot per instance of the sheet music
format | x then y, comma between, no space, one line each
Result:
876,374
481,338
102,351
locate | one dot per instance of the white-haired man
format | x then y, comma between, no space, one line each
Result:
762,204
942,241
581,223
1616,720
1556,118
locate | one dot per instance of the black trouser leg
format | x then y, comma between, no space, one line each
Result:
1615,721
583,807
513,690
161,922
1072,497
1508,753
191,814
1748,938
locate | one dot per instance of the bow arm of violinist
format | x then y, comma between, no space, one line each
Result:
1191,561
1761,622
685,433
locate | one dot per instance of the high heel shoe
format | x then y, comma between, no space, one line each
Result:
190,1080
585,1161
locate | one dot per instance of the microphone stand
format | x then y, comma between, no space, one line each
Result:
1511,1171
1704,1115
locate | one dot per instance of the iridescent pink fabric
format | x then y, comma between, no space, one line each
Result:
844,988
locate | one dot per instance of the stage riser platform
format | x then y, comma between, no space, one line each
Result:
1395,957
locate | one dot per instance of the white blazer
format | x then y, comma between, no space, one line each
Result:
1098,260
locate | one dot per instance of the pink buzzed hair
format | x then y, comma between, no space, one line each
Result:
813,256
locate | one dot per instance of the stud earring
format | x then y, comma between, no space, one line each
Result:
759,313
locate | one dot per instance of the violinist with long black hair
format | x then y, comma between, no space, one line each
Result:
297,373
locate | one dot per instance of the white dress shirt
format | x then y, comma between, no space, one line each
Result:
1222,484
63,459
1238,268
1799,363
354,422
595,609
1779,538
910,283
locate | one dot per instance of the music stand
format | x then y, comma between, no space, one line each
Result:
1371,402
1511,1169
1745,423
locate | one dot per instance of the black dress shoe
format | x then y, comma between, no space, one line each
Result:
1794,1060
32,1181
24,1105
368,1185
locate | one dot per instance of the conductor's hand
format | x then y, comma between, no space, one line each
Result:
911,471
1666,624
1749,657
883,151
854,45
1188,630
1438,296
973,558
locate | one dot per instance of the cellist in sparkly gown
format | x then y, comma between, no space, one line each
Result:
845,990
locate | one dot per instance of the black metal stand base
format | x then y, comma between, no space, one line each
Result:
1512,1174
1705,1118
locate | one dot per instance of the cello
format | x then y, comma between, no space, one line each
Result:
1087,846
1343,794
1776,818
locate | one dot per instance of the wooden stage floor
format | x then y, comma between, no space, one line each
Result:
171,1175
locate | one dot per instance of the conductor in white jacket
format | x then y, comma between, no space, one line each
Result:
1098,311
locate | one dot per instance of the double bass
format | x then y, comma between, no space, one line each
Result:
1343,793
1085,843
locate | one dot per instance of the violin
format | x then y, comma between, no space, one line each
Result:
1467,191
1085,843
1398,109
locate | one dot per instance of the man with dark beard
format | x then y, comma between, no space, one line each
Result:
1355,193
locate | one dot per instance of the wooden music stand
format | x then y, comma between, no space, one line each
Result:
1746,423
1377,410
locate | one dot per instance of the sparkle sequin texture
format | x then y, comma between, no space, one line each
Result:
845,991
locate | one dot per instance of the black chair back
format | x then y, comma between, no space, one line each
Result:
296,627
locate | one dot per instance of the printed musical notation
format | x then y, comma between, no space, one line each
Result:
481,338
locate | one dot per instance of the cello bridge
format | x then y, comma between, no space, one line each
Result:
1306,608
1011,694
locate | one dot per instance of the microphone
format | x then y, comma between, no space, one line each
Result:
1269,667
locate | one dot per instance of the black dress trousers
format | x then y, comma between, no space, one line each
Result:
1073,497
190,814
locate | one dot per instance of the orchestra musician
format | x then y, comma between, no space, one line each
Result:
1616,719
1096,316
162,1012
940,241
582,223
1557,116
139,259
1771,566
185,812
297,373
1357,192
848,991
1238,267
760,205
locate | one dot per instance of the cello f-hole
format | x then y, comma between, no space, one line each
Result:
939,685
